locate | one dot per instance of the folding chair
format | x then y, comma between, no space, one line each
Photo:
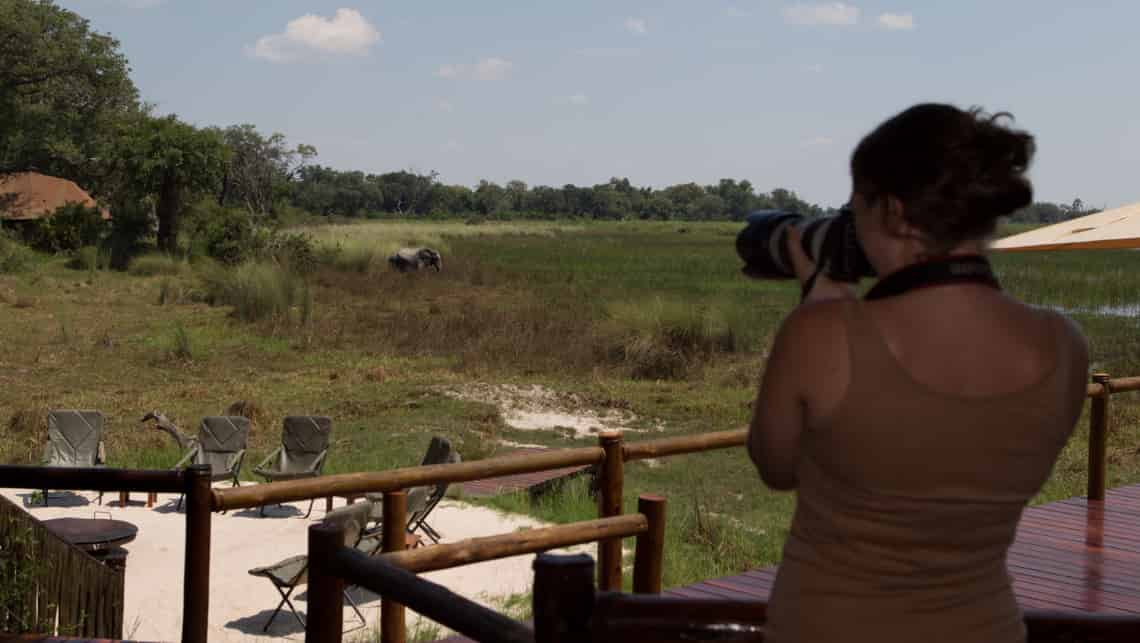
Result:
304,445
422,500
221,445
75,439
293,572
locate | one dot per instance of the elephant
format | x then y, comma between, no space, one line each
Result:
412,259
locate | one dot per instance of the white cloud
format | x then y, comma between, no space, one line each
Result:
636,26
830,13
736,12
609,52
817,141
486,69
896,21
446,106
345,34
815,68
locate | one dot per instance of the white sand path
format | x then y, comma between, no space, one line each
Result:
240,604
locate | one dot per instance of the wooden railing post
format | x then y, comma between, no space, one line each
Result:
650,549
1098,437
392,626
563,597
326,607
196,570
609,504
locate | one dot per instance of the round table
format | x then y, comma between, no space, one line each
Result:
100,538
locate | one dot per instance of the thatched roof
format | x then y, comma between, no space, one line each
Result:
26,196
1116,228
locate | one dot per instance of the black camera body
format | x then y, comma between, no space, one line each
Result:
831,243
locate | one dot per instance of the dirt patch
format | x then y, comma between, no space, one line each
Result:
536,408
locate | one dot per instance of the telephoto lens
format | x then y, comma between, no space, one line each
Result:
831,243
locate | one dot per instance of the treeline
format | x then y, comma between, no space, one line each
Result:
68,108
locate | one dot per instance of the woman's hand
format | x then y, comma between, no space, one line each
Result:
824,288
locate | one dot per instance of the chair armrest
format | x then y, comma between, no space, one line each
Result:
48,450
320,463
235,462
187,458
271,456
101,454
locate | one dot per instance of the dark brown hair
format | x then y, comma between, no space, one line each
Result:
954,171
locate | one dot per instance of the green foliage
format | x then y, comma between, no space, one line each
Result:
21,572
87,258
69,228
256,290
14,256
225,234
61,86
182,346
131,228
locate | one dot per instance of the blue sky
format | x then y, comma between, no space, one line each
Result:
578,91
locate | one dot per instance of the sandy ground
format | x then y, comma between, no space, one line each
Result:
535,407
240,604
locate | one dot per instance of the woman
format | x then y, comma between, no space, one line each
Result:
916,424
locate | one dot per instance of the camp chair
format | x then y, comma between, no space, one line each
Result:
221,445
75,439
304,445
292,572
422,500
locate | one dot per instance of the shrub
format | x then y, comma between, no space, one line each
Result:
256,290
131,227
69,228
225,234
293,251
14,256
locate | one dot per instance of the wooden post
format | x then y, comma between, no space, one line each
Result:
1098,437
196,584
392,626
609,504
563,597
650,549
326,585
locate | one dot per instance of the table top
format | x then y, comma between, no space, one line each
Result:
93,533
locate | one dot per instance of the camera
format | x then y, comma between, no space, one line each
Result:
831,243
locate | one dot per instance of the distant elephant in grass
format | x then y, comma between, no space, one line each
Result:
412,259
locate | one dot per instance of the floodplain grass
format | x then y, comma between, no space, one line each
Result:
564,305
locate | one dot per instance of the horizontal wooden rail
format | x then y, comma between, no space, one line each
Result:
14,476
684,444
1117,385
477,550
394,479
618,618
424,596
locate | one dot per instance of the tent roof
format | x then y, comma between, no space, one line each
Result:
25,196
1116,228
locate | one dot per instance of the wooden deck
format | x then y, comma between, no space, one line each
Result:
1069,555
536,482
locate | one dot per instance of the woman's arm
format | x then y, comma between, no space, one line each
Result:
779,412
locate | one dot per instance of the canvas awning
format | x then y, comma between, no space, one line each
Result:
1116,228
26,196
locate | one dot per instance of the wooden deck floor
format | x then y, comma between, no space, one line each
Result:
534,482
1069,555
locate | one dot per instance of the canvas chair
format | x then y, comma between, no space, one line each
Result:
75,439
293,572
221,445
422,500
304,445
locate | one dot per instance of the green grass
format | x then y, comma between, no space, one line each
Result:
632,316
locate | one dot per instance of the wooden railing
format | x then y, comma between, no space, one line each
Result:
393,574
609,458
193,481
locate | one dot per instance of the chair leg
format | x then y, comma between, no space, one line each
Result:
284,601
179,508
430,532
45,497
311,501
352,603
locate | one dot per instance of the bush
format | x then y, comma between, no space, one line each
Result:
69,228
293,251
14,256
131,228
256,290
225,234
88,258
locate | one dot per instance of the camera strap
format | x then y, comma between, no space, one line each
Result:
936,272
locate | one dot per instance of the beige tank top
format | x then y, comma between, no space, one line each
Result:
909,498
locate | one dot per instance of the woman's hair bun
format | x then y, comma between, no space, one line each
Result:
955,171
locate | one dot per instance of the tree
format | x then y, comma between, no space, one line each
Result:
259,168
170,161
63,89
